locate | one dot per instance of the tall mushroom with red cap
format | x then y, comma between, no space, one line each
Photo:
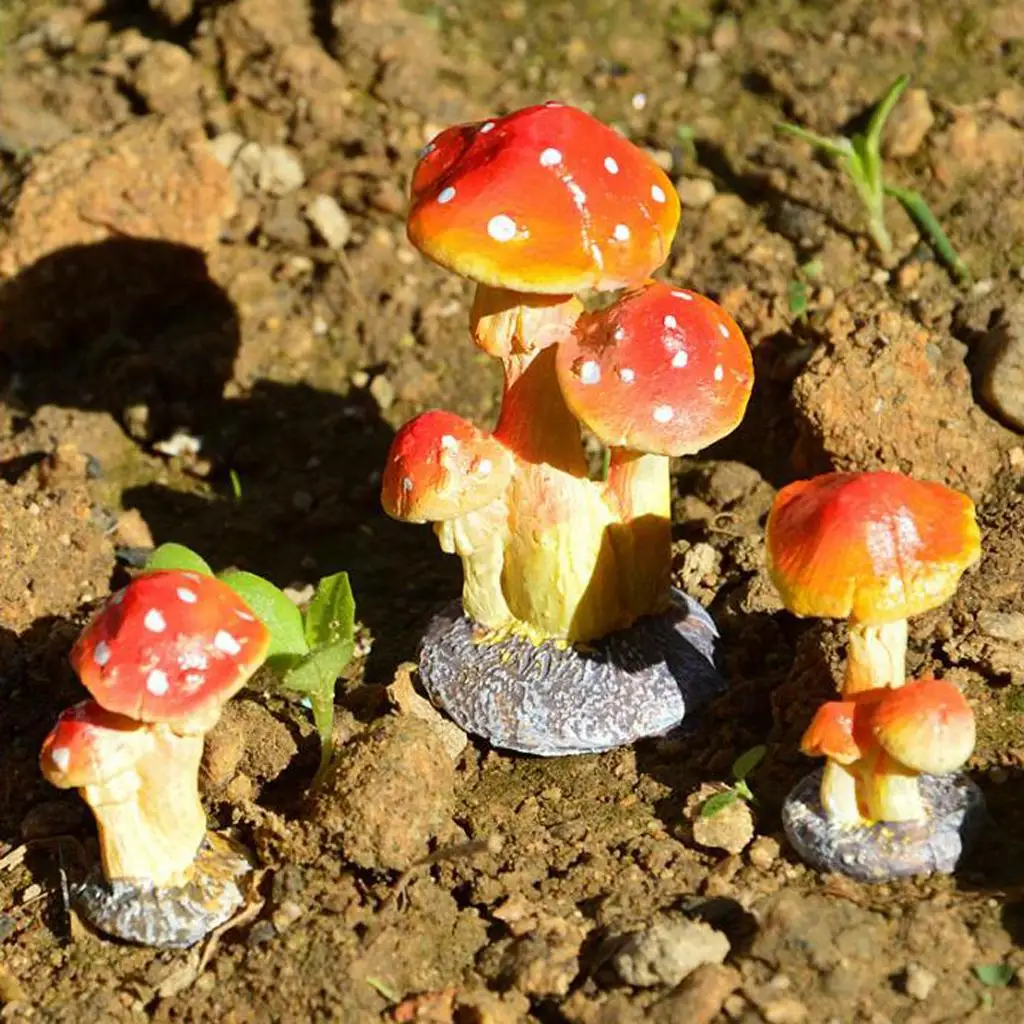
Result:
160,659
536,207
876,548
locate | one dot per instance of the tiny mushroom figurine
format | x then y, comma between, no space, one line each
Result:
875,548
160,659
569,637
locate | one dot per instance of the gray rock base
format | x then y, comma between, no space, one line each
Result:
174,917
551,700
877,853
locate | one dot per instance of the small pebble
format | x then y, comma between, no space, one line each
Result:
763,852
329,221
918,982
668,951
695,193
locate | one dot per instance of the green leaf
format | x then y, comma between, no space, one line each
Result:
797,296
919,211
994,975
318,670
837,147
748,761
719,802
273,608
873,136
177,556
331,615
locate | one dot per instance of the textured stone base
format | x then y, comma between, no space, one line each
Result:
887,850
549,700
169,918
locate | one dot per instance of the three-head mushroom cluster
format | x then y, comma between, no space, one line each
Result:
876,548
536,207
160,659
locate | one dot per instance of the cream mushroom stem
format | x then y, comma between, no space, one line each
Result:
639,489
875,656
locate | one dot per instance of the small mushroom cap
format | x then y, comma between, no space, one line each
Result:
90,746
831,733
169,647
662,370
927,725
440,466
873,547
547,199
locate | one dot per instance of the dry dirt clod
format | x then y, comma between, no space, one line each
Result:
1000,367
668,951
729,829
700,998
407,701
168,79
329,221
389,792
908,124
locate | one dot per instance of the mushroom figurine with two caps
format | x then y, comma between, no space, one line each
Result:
876,548
569,637
160,660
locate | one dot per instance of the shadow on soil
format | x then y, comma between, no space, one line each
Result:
138,328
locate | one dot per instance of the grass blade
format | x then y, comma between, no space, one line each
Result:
913,202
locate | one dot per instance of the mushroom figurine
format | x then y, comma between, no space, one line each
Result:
569,638
875,548
160,659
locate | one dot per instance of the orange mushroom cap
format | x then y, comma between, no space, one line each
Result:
547,199
873,547
831,733
441,466
661,370
927,725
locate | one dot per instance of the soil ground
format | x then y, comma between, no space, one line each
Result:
148,294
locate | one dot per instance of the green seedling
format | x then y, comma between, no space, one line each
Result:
739,790
308,651
994,975
861,158
797,293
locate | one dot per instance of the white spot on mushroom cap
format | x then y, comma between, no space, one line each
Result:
225,642
101,654
590,372
723,330
619,333
192,659
407,484
658,194
449,444
61,757
663,413
186,595
501,227
550,157
685,296
193,576
484,466
487,126
611,165
627,375
154,621
446,195
193,680
156,683
680,359
621,233
719,372
670,321
245,616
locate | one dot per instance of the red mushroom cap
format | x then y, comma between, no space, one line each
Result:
169,647
927,725
662,370
89,746
831,733
874,547
441,466
547,199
